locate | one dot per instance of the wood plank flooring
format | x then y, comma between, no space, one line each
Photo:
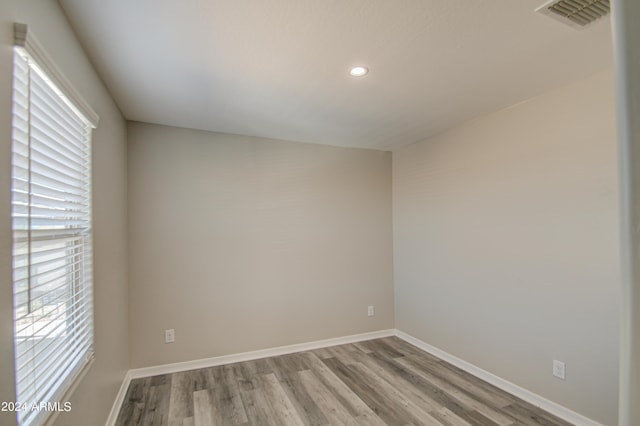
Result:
378,382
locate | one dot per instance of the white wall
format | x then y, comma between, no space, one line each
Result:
626,14
7,390
94,396
243,243
506,244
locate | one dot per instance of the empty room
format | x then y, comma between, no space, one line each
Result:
319,212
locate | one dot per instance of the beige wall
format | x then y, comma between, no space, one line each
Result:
243,243
505,239
506,244
93,398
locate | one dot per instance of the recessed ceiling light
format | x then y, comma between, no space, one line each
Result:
358,71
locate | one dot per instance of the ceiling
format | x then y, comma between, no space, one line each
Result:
279,68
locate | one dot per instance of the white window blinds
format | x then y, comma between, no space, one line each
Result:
52,256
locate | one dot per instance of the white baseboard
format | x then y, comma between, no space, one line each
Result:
528,396
230,359
115,408
522,393
249,356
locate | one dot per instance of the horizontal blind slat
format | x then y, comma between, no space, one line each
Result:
43,235
58,348
48,278
44,190
50,101
49,169
76,361
49,120
45,247
42,153
22,197
52,328
72,305
39,346
43,212
47,185
53,362
70,145
25,324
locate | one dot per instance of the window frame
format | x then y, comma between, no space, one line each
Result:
73,245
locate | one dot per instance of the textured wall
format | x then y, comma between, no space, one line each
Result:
243,243
506,244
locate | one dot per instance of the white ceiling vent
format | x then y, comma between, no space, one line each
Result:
577,14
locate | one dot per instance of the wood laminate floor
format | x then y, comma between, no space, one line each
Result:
378,382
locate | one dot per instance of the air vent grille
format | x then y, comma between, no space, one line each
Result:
576,13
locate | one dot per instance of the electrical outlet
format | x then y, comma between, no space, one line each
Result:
558,369
370,311
169,335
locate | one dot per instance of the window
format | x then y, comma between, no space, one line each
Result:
51,221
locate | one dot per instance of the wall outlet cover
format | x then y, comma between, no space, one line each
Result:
558,369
